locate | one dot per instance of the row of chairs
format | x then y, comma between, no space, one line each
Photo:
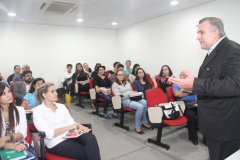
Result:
153,97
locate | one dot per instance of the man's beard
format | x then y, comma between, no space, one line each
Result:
28,81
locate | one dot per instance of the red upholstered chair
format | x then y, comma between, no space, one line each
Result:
108,74
14,101
170,94
12,88
154,97
117,105
94,99
80,100
28,138
150,79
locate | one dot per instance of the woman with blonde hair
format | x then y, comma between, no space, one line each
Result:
54,119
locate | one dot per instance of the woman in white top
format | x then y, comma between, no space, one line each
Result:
13,124
54,119
123,88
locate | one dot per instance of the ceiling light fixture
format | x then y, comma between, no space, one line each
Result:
79,20
174,3
12,14
114,23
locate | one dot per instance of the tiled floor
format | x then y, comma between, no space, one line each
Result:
118,144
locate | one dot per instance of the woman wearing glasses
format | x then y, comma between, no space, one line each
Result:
123,88
141,84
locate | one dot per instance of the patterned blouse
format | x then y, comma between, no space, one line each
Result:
8,131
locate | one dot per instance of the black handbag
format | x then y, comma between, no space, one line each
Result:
136,98
170,112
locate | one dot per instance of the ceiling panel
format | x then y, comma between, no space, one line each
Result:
96,13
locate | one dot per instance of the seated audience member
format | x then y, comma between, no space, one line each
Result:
102,82
87,70
94,73
21,88
182,94
81,78
58,123
13,122
119,67
29,102
112,72
141,84
67,75
128,70
19,76
132,76
62,89
2,78
162,78
17,70
123,88
187,96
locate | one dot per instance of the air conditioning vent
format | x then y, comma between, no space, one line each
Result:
58,7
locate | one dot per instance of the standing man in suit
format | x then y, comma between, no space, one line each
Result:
217,88
22,87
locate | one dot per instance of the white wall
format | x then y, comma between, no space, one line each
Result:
48,49
171,39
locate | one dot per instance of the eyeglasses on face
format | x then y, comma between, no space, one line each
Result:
120,74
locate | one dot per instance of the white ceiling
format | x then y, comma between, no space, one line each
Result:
96,13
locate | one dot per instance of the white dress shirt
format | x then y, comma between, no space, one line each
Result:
45,120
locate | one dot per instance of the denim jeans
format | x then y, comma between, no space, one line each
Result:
107,101
141,107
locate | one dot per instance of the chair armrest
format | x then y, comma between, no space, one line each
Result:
92,93
42,135
117,102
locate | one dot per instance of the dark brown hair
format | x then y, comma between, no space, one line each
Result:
161,72
117,81
145,78
12,110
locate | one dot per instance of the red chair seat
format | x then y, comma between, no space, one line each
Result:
32,127
84,92
100,99
55,157
128,109
179,121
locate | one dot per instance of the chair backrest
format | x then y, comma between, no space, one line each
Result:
170,94
150,79
155,96
12,89
28,138
68,110
91,83
14,101
158,84
155,114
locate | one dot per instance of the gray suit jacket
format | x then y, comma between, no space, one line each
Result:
218,92
19,92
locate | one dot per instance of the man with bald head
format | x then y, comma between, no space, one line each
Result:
19,76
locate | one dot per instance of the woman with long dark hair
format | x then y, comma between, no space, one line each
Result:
29,102
141,83
13,124
81,78
162,78
132,76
